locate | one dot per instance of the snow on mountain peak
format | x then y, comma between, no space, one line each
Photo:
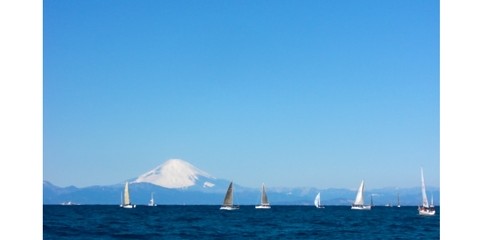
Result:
173,173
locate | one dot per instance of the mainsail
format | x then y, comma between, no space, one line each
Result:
318,200
424,194
127,199
264,197
359,196
228,199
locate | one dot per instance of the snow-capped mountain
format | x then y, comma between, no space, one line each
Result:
177,173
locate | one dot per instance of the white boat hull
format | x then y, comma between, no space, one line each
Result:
229,208
263,207
426,211
128,206
361,207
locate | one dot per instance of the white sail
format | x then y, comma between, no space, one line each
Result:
317,200
359,195
264,199
424,194
127,199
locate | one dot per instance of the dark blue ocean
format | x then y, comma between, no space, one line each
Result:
208,222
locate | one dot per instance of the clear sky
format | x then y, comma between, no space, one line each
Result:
289,93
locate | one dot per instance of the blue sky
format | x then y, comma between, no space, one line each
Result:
289,93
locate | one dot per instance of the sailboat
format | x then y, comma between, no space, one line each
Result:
126,201
359,203
151,202
228,199
318,201
264,199
398,199
425,209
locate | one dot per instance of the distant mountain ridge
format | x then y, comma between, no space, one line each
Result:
179,182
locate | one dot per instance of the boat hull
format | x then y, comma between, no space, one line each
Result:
361,207
128,206
229,208
426,211
263,207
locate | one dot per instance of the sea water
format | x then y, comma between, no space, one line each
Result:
208,222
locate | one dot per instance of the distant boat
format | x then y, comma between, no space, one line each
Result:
317,201
425,209
398,199
228,199
359,203
264,199
126,200
151,202
388,205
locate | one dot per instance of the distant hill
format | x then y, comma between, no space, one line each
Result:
177,182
